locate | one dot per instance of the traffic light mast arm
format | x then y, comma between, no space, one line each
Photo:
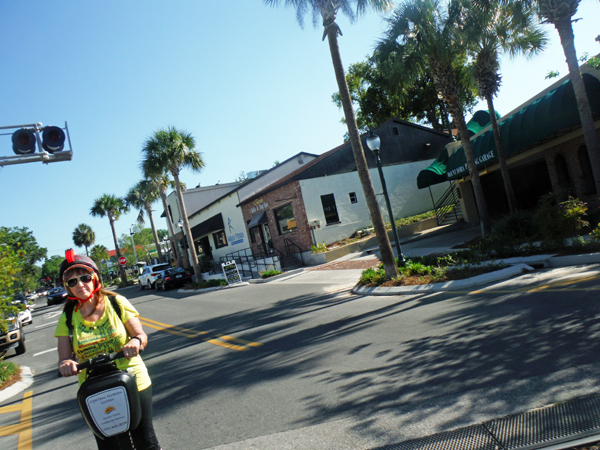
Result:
49,145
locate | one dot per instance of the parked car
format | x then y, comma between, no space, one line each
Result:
172,278
148,277
56,295
25,316
32,296
14,336
42,292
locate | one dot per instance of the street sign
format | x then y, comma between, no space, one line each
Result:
122,260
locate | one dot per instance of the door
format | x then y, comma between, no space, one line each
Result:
266,237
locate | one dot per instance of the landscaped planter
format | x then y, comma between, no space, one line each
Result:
313,259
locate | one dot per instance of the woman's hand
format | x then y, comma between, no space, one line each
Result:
132,348
67,368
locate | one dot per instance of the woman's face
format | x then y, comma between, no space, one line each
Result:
81,290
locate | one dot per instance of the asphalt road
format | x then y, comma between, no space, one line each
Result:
302,363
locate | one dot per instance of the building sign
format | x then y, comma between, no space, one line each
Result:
259,205
231,273
234,238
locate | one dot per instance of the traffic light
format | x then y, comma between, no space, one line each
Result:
53,139
24,140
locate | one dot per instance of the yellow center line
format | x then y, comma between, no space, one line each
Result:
186,332
23,428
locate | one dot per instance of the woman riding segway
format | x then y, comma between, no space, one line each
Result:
96,321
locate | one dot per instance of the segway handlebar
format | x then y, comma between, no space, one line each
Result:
99,360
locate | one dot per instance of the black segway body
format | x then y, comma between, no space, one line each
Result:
109,401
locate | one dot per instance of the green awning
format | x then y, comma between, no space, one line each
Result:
435,173
479,121
554,112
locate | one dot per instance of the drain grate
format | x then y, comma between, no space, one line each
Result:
556,423
536,429
468,438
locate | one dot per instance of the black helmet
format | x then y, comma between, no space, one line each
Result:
73,261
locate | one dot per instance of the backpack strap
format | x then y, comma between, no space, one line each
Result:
70,306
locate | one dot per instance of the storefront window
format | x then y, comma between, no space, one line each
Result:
220,239
286,222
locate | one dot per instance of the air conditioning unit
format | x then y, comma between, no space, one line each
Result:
314,223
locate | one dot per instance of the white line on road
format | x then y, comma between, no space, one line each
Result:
47,324
45,351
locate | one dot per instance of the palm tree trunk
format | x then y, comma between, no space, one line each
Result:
385,248
186,226
174,247
592,142
510,195
484,218
154,233
117,251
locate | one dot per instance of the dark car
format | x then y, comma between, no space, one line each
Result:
14,337
56,295
172,278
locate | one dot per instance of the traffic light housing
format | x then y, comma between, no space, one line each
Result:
24,140
53,139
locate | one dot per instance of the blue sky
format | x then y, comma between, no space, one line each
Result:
249,84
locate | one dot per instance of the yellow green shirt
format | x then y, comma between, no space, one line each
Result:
106,335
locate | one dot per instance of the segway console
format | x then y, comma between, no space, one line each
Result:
108,399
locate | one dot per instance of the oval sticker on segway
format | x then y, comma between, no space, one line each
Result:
109,410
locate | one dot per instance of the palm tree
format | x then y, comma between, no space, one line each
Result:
425,36
490,30
84,236
328,11
162,183
170,150
141,196
560,14
111,207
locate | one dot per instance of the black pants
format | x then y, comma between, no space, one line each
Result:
143,436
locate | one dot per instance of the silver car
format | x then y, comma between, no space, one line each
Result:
148,277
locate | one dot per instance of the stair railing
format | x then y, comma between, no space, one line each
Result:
446,204
290,245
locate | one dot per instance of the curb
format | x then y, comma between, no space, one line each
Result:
498,275
216,288
19,386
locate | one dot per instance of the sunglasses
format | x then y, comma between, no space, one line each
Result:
72,282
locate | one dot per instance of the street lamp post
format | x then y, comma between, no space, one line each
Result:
373,142
131,233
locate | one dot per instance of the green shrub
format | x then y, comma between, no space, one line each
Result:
7,370
207,284
269,273
373,276
319,248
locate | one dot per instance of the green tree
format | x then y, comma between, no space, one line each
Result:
84,236
328,12
112,207
509,28
169,151
99,253
425,35
25,246
50,268
141,196
10,262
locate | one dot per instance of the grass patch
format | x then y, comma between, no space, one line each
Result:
9,373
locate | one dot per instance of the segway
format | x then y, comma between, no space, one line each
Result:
108,399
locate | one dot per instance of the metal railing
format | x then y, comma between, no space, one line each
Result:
290,246
446,204
252,261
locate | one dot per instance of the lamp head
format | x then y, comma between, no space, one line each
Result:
373,142
180,223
